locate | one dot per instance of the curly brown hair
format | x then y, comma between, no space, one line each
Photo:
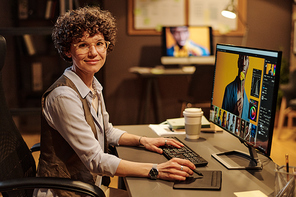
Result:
70,27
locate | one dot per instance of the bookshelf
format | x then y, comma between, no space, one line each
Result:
37,63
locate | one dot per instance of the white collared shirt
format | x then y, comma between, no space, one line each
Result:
64,112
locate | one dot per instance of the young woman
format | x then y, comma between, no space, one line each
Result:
75,123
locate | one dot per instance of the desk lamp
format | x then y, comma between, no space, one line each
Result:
231,12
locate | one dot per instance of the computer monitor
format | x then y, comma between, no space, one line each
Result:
244,98
187,45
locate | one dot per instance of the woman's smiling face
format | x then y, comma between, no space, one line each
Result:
89,61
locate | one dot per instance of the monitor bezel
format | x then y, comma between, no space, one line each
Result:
274,99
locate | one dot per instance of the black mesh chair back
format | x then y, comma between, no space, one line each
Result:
16,160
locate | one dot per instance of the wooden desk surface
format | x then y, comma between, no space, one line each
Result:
209,143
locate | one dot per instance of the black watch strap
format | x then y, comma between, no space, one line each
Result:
153,172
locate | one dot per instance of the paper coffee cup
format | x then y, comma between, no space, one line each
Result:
192,118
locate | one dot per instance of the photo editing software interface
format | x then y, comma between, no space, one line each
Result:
244,94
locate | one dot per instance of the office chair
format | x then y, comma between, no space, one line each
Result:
287,105
17,165
200,89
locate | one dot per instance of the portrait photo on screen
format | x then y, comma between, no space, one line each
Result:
186,41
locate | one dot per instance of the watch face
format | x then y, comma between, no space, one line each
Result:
153,173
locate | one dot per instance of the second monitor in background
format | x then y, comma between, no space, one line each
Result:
187,45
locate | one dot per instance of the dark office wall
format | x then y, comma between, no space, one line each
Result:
269,27
123,89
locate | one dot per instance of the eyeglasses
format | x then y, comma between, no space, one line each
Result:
101,47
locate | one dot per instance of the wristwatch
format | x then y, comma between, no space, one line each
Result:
153,172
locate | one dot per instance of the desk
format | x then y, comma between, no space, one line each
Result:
151,90
232,180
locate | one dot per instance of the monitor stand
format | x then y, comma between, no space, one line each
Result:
238,160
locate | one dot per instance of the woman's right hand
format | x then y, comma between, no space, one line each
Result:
175,169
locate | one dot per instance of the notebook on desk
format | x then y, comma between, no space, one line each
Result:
179,123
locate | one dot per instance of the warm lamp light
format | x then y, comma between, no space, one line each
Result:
229,11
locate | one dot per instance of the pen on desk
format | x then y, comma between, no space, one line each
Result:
287,166
287,162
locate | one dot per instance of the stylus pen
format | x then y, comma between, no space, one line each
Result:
197,172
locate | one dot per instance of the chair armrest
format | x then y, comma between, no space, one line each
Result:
51,183
35,147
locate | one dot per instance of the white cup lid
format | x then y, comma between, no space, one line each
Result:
192,111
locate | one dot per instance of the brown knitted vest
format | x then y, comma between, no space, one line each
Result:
57,158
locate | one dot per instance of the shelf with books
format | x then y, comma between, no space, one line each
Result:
37,74
49,9
35,60
45,9
37,64
17,31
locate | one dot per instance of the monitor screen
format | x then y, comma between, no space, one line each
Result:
184,43
244,93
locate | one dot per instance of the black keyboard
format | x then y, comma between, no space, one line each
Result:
184,153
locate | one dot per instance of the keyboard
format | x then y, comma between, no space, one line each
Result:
184,153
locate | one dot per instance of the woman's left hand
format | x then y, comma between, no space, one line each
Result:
153,144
